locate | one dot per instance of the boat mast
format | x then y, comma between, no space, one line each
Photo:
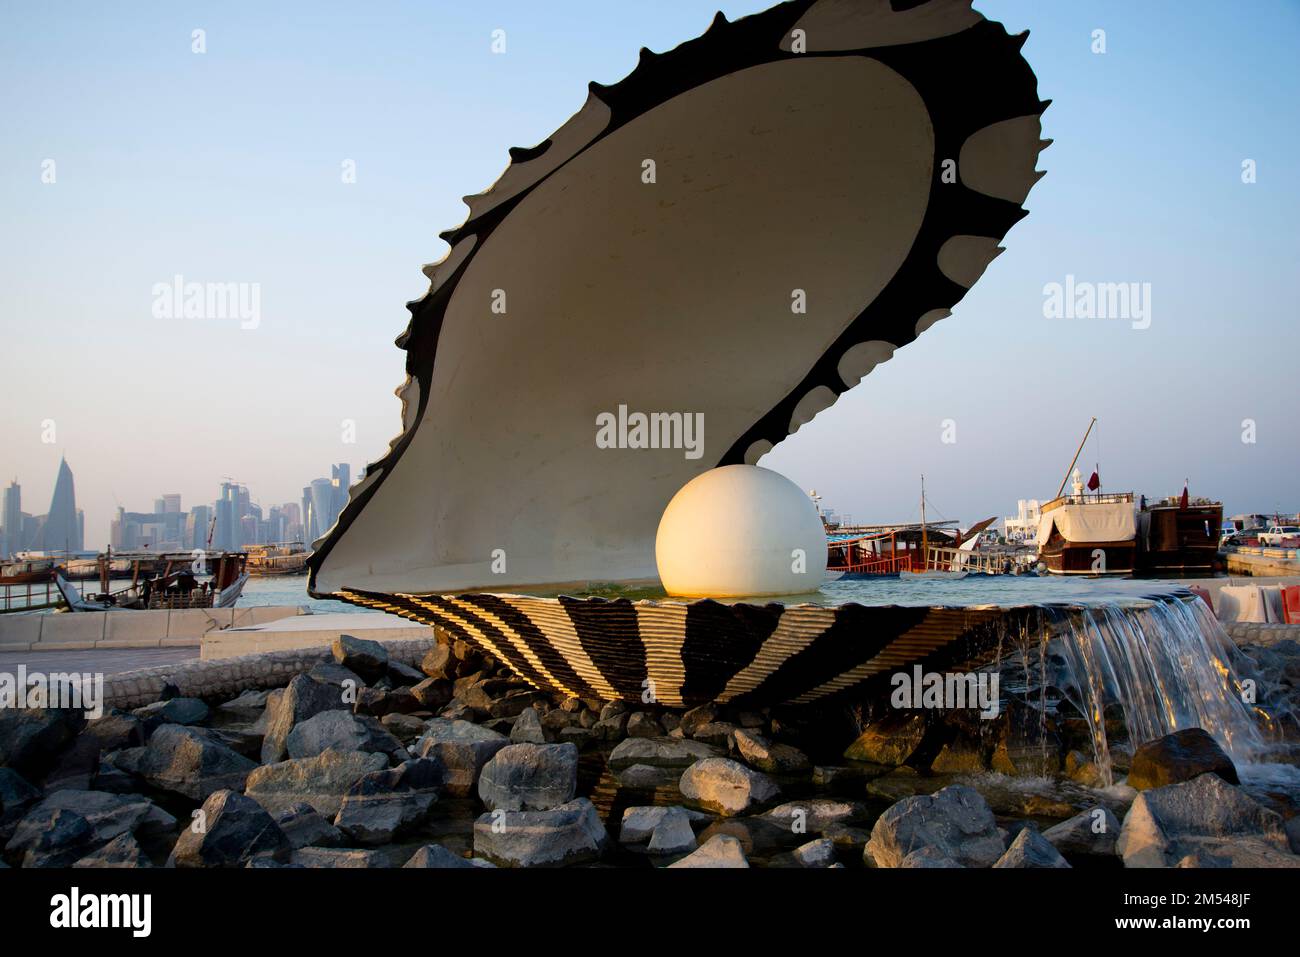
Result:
925,541
1077,452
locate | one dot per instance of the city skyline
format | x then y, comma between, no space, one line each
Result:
230,521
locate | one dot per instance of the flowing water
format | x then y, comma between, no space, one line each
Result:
1168,665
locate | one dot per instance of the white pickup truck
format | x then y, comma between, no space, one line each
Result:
1278,534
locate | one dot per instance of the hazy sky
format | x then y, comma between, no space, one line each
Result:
226,166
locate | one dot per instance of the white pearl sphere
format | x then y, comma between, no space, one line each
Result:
740,531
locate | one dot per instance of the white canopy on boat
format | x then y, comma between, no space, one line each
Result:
1094,522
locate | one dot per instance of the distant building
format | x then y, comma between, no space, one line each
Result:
61,531
306,516
230,508
32,525
196,526
323,501
11,519
322,507
1023,528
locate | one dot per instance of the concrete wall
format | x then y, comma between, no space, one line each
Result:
74,631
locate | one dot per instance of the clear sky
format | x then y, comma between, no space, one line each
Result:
226,166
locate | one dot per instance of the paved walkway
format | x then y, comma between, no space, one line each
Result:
101,661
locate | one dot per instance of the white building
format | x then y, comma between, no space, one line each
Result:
1023,528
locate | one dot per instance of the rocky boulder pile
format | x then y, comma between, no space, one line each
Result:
358,760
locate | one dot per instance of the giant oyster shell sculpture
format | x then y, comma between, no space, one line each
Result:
735,233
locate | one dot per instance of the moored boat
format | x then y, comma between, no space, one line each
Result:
1088,533
281,558
26,571
1178,536
175,588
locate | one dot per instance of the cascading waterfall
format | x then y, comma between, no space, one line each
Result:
1167,663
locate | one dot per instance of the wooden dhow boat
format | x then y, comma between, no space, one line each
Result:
177,587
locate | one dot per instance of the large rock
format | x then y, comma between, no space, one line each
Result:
123,851
304,698
818,853
527,728
116,730
432,693
721,850
340,731
332,858
515,702
273,699
891,740
304,826
1031,850
673,834
569,834
662,830
31,738
716,733
185,711
379,703
1203,816
659,752
54,838
439,662
247,702
643,725
333,673
1091,833
16,795
954,823
76,766
769,756
697,718
403,675
437,856
320,781
387,804
109,815
814,815
187,762
529,777
639,823
927,857
369,659
726,787
463,748
1178,757
230,831
404,727
613,728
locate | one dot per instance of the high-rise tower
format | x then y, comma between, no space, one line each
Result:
62,531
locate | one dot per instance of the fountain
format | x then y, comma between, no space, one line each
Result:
1168,665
